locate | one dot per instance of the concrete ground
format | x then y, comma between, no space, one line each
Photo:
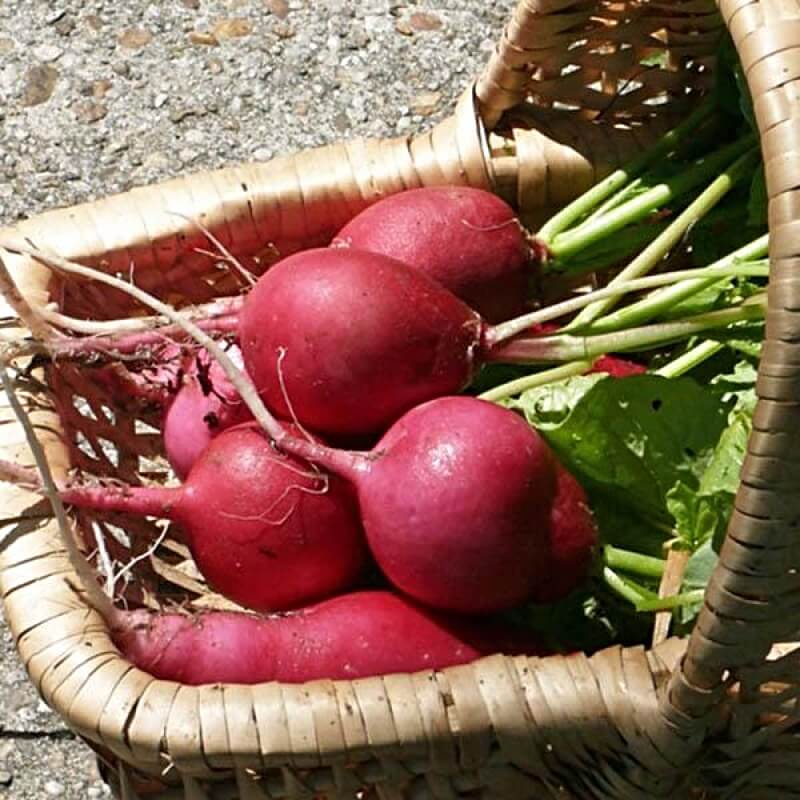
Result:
97,97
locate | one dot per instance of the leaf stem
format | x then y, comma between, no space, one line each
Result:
608,186
675,231
538,379
661,301
689,360
567,347
628,561
673,601
626,589
506,330
637,208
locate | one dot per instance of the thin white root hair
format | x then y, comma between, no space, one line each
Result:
216,308
94,594
141,557
227,255
105,559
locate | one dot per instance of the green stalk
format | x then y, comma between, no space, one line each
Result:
641,206
566,347
531,381
627,589
615,200
607,252
662,245
673,601
506,330
621,587
661,301
612,183
689,360
628,561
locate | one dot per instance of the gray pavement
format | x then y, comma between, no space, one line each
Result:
97,97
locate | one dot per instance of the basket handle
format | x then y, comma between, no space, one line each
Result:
751,602
543,37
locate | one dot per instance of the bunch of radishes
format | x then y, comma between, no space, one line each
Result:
460,502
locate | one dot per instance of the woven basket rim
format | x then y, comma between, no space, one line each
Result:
467,136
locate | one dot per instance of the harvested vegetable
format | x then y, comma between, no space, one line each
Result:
467,239
265,529
351,636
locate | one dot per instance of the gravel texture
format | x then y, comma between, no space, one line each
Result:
97,97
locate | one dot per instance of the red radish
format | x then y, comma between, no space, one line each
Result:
264,529
198,400
572,539
356,635
617,367
467,239
455,500
352,339
204,406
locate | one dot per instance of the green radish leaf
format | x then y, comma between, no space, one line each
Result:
588,620
631,439
698,571
699,518
758,201
657,59
624,529
550,405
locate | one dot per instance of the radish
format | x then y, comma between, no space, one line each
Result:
264,529
204,406
467,239
347,341
455,500
197,399
571,541
352,636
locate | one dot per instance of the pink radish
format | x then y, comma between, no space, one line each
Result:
264,529
455,500
571,541
467,239
354,339
352,636
204,406
197,399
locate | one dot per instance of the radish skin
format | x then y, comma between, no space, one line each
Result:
467,239
264,529
353,340
455,500
571,542
356,635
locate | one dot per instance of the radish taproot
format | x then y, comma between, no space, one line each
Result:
467,239
265,529
356,635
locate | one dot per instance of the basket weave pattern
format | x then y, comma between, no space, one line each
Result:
622,723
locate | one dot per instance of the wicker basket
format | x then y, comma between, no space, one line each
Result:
713,716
